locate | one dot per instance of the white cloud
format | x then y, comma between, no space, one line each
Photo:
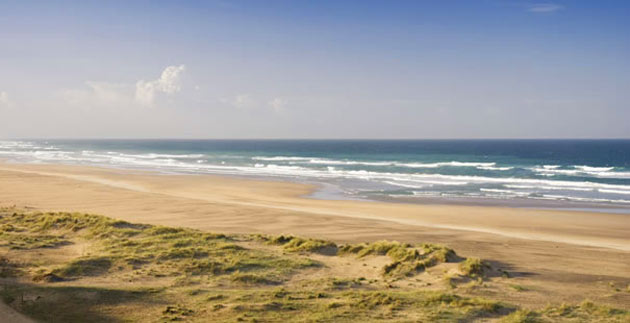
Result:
248,102
108,92
99,95
4,99
278,104
168,83
544,7
105,94
241,101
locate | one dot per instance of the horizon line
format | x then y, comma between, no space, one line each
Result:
312,139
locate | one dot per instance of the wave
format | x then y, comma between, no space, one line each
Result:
579,199
594,169
293,170
494,168
506,195
325,161
543,187
405,185
332,169
614,191
143,156
582,171
281,158
496,190
349,162
447,164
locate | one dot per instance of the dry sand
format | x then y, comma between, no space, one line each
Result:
560,256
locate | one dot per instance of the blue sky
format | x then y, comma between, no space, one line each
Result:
315,69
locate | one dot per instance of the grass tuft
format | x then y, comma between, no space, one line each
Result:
85,267
473,267
295,244
521,316
407,260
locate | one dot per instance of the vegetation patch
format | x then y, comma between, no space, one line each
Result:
92,266
180,274
586,311
296,244
31,241
148,250
253,279
522,316
8,268
473,267
407,260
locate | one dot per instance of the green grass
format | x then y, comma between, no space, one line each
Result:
91,266
214,277
31,241
407,260
522,316
161,251
473,267
586,311
253,279
296,244
518,288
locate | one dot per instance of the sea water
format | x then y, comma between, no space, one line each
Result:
587,174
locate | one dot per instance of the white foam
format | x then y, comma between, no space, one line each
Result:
496,190
404,185
603,190
582,171
594,169
281,158
299,167
547,187
494,168
445,164
326,161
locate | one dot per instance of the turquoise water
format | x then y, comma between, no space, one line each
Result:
533,172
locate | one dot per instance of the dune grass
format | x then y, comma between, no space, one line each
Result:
473,267
152,250
407,259
295,244
135,272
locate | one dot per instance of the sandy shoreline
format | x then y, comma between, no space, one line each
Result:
585,228
562,252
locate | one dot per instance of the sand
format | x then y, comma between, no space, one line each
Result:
561,256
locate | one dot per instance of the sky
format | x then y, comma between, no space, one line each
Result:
315,69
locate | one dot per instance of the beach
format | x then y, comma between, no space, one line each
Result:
563,256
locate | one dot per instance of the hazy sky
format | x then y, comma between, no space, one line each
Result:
315,69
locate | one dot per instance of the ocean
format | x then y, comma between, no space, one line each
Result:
572,174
